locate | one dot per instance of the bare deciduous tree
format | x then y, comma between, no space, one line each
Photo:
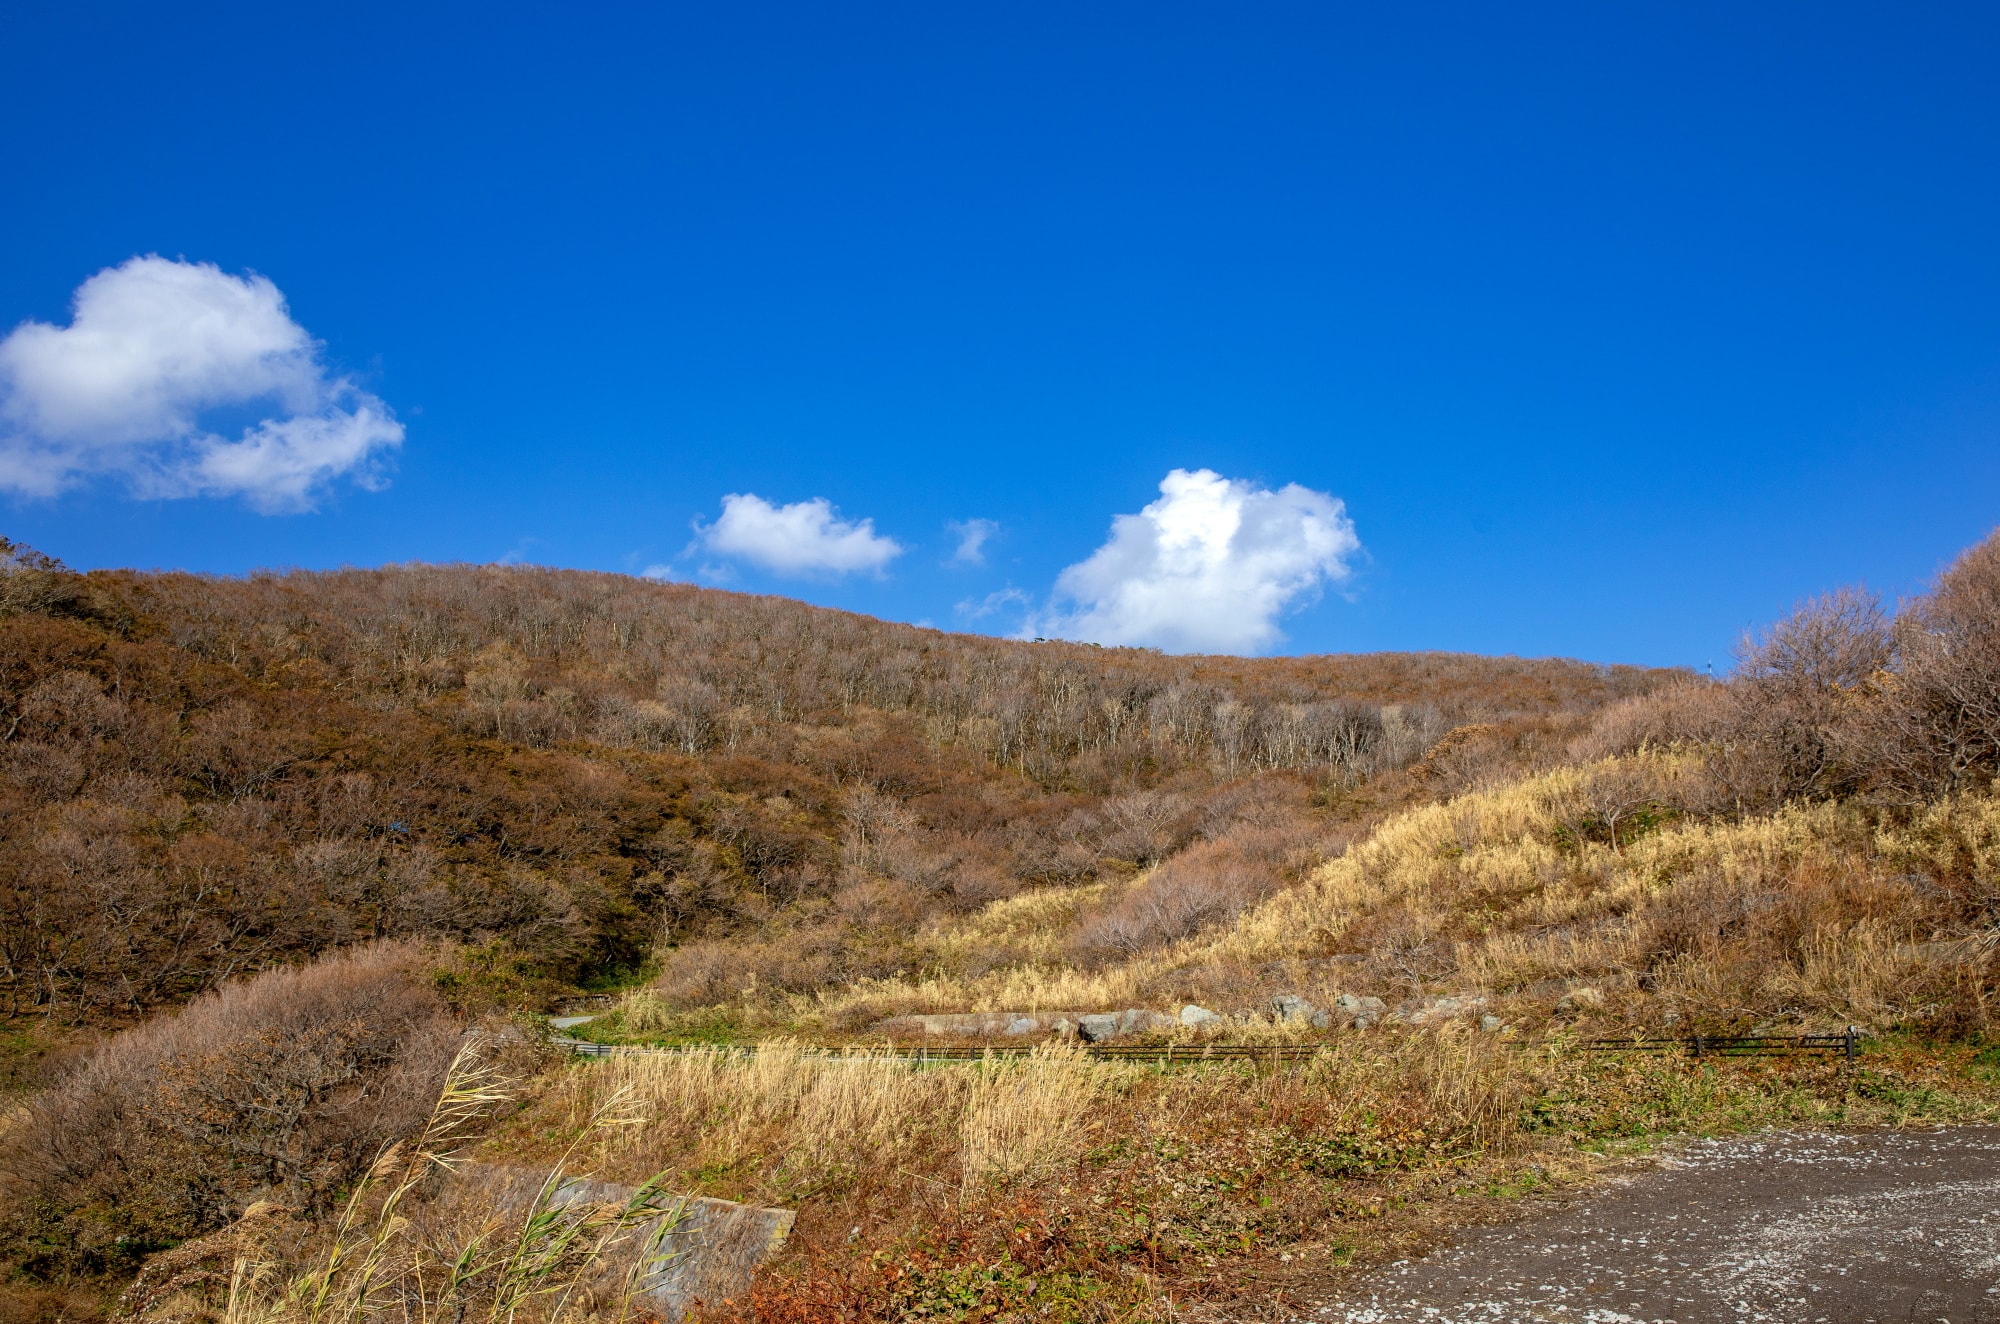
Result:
1937,728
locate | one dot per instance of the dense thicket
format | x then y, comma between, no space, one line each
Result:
1842,699
283,1087
203,776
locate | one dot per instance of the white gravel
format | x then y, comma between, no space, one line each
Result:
1787,1228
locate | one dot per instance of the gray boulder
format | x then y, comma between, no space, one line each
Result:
1098,1027
1441,1009
1585,998
1105,1025
1359,1012
1137,1020
1201,1018
971,1024
1292,1009
703,1250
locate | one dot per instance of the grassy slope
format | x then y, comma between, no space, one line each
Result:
1818,915
1093,1188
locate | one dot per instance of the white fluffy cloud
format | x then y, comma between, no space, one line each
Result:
1207,568
806,537
154,348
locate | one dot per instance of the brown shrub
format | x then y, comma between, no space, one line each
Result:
1144,827
1623,799
700,974
1786,726
282,1087
32,581
1798,691
1692,714
1837,698
1936,727
1205,885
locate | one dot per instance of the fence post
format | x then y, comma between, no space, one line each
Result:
1852,1049
1697,1045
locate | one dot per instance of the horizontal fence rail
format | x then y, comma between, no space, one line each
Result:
1109,1052
1846,1045
1132,1053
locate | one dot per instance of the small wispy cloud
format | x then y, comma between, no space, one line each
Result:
973,609
973,535
155,349
518,554
1209,567
803,538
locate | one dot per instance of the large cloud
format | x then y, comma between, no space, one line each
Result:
806,537
155,349
1207,568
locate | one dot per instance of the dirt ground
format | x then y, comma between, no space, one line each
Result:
1878,1226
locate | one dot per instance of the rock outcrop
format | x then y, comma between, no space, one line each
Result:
707,1249
1349,1010
1291,1009
1439,1009
976,1024
1107,1025
1362,1013
1092,1027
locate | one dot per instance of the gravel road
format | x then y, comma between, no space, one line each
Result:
1881,1226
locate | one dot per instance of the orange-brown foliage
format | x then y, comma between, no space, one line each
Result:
204,776
283,1087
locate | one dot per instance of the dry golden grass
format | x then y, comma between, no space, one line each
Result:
1031,926
412,1244
1024,1117
1055,1184
1583,899
786,1122
1819,912
1061,1187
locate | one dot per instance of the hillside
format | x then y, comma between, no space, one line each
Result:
292,857
564,770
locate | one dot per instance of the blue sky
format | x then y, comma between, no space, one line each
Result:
1591,330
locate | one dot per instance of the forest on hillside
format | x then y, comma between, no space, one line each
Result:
286,858
567,772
